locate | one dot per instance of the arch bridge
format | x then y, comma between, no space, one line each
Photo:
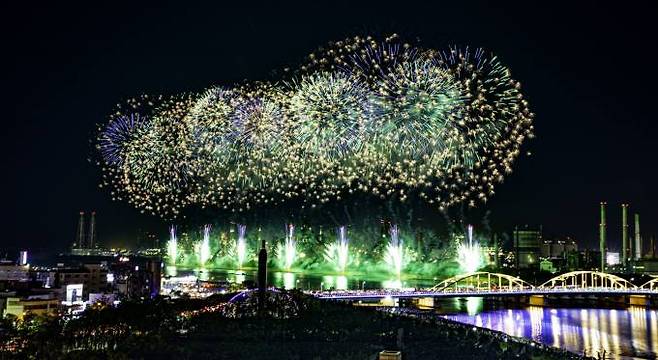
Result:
587,280
651,285
495,284
482,281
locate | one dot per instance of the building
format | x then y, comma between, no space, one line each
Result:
590,260
92,277
612,258
38,304
647,266
527,245
557,248
10,271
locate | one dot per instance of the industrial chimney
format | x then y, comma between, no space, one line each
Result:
638,240
92,231
602,233
80,236
624,234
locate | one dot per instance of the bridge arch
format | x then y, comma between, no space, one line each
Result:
482,281
650,285
587,279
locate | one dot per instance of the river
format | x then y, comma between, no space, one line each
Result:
630,333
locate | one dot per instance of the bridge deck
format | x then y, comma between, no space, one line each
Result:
365,295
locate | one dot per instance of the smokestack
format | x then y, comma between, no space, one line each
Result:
80,236
602,233
638,240
624,234
92,231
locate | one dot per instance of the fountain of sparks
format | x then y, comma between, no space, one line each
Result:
241,245
172,245
469,254
204,251
288,249
394,256
338,252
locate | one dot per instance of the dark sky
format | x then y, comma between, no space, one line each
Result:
587,68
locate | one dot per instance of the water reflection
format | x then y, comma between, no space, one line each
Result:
285,280
470,305
170,270
619,334
300,280
240,277
202,274
335,282
392,284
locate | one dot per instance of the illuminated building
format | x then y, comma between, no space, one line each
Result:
612,258
9,271
547,265
35,304
93,277
527,243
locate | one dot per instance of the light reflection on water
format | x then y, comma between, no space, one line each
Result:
291,280
622,334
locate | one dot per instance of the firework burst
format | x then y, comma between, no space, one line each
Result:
380,118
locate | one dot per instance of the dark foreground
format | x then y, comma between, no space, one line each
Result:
292,327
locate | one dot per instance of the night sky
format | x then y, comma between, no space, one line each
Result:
587,70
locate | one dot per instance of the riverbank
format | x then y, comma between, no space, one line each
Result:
292,326
486,339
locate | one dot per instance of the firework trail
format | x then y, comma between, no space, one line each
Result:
337,253
204,251
172,245
241,245
469,253
394,256
287,250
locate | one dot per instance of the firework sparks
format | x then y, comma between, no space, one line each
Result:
204,251
337,253
361,116
469,253
288,248
394,256
172,245
241,245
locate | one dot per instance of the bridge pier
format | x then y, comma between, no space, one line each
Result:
425,303
537,300
389,301
638,300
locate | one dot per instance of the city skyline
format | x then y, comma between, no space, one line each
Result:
593,141
323,180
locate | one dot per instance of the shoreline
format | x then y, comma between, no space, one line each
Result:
526,343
